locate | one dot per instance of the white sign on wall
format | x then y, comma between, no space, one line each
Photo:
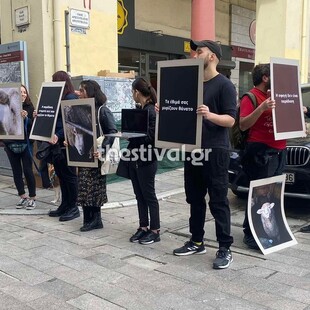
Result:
22,16
79,18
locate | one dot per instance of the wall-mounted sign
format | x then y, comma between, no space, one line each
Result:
22,16
122,14
252,31
243,52
79,18
187,47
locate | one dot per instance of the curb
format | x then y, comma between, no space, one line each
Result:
109,205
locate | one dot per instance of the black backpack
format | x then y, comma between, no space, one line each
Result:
238,137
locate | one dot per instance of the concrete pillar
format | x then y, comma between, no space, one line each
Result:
282,30
203,20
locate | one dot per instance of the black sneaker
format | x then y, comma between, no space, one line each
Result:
189,248
250,242
223,258
138,235
150,237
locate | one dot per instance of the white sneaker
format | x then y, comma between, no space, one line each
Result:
22,203
31,204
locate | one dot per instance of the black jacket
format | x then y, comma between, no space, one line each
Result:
147,141
108,126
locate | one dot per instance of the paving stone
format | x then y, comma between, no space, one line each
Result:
23,292
67,274
92,302
60,289
50,302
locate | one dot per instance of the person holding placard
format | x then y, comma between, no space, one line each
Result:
20,156
68,209
264,156
210,175
143,167
91,184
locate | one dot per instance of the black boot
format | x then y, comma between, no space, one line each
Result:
87,217
96,222
70,214
59,211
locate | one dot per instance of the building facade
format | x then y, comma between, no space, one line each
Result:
85,36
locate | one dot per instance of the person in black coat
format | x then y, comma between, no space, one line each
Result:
68,209
142,168
91,184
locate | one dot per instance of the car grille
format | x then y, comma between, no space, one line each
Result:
297,155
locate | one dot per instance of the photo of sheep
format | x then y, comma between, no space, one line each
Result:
11,121
266,215
79,121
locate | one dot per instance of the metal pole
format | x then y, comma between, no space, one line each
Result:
67,37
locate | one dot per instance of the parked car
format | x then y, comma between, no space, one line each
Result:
297,168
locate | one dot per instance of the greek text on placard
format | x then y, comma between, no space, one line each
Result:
46,111
287,98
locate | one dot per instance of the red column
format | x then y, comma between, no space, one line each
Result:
203,20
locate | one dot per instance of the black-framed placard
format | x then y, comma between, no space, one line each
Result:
47,110
11,121
79,121
180,91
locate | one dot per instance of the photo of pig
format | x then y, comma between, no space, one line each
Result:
266,214
80,132
11,122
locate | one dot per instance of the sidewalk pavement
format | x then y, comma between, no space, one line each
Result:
47,264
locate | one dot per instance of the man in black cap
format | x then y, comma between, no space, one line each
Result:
211,176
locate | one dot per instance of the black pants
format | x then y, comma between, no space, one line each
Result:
259,162
67,179
143,182
46,183
211,177
22,162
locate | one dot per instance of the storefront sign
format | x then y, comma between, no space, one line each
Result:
252,31
243,52
122,14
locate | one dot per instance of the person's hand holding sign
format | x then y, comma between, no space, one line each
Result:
204,111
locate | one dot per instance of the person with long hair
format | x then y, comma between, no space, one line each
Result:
68,209
91,184
142,170
20,156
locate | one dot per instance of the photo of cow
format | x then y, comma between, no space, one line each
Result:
11,121
80,131
266,214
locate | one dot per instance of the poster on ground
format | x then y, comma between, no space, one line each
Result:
44,124
266,215
288,116
11,120
180,91
79,119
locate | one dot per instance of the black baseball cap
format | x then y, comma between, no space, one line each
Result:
211,45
